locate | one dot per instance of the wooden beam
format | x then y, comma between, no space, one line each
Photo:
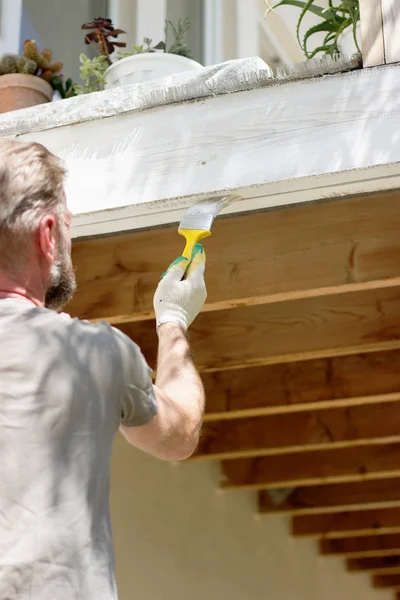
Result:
373,49
285,332
362,547
368,522
301,386
311,250
391,28
387,581
341,465
383,565
302,432
333,497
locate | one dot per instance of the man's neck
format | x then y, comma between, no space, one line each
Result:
10,287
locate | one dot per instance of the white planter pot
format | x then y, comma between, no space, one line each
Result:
144,67
346,41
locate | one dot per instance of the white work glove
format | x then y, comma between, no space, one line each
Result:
179,300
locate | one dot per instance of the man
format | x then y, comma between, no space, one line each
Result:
66,386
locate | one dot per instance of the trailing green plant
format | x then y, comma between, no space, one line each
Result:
336,18
92,74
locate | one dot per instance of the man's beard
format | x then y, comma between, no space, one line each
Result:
62,281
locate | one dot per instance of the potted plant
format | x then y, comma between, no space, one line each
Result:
26,80
143,63
340,24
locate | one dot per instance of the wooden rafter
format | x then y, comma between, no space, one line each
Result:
384,565
303,385
333,497
387,581
340,465
362,547
366,522
303,329
260,258
301,432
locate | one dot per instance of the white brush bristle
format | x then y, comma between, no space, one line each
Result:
202,214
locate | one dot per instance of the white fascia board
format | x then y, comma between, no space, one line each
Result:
295,142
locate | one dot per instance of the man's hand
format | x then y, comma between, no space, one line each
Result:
181,293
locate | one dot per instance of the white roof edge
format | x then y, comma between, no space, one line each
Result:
287,193
302,141
225,78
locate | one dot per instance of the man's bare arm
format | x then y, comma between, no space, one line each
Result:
173,432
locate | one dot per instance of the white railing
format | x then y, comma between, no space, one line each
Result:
143,18
10,25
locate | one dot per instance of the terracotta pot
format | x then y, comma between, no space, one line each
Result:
20,91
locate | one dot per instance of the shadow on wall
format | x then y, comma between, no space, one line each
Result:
178,536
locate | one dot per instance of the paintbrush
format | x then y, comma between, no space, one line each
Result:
198,219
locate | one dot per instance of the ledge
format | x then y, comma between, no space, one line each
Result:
228,77
138,155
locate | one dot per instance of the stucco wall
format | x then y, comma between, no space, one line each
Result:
178,537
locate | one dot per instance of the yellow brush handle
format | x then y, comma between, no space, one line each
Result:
193,236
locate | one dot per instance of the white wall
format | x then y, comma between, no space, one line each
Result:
178,537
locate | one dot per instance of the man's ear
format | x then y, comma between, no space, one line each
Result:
47,233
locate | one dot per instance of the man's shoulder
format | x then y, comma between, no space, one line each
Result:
99,332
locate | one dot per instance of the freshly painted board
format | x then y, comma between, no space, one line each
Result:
297,142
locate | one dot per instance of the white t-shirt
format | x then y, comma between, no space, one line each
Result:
65,387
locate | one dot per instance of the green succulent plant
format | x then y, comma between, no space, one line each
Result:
336,18
66,89
13,63
44,60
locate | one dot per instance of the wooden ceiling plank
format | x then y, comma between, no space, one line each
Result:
305,385
384,565
334,497
301,432
387,581
342,524
316,249
303,329
362,547
313,468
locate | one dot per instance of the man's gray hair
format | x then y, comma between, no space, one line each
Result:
31,185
